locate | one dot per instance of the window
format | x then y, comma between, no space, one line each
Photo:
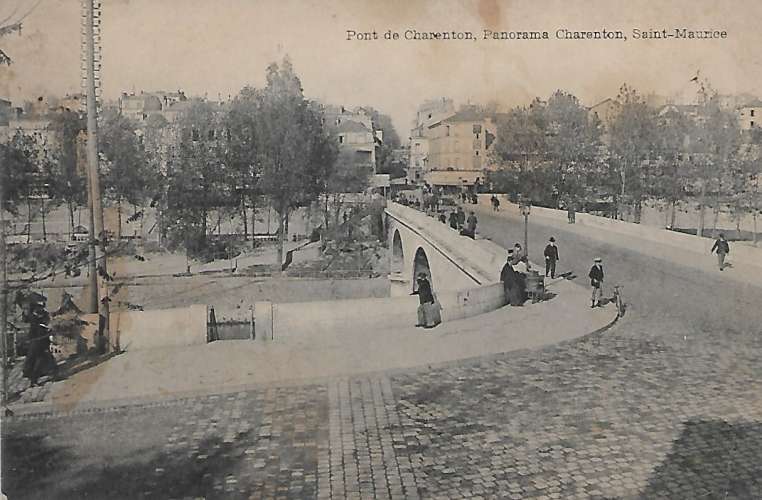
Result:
752,124
341,139
477,129
752,113
477,153
447,131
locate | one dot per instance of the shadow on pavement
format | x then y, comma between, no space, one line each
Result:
711,459
32,469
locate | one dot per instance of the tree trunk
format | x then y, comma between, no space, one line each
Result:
245,217
253,219
44,228
716,211
754,221
623,190
29,219
701,208
119,220
71,219
281,220
203,226
674,215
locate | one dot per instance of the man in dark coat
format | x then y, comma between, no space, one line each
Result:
596,280
722,248
454,220
551,257
39,360
461,218
470,229
510,280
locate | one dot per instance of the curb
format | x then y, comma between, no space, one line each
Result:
43,410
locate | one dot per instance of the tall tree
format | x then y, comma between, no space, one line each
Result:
632,144
520,142
241,153
292,145
70,184
128,175
671,178
573,143
713,142
197,178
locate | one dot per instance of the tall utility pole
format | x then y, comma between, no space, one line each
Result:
7,349
92,264
91,18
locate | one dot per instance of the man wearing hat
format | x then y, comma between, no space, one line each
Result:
551,257
722,248
39,360
596,279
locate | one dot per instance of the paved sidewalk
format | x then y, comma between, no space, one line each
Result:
212,367
751,275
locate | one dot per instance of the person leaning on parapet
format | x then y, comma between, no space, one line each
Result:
454,220
596,280
510,280
722,247
470,230
461,218
551,257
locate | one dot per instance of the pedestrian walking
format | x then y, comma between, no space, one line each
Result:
39,360
429,314
551,257
454,220
722,248
596,280
442,218
510,280
570,212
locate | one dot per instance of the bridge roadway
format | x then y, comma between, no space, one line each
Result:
666,404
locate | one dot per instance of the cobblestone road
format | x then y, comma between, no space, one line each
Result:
666,404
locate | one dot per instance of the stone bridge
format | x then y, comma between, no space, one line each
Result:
419,243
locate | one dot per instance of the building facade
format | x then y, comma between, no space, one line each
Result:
458,148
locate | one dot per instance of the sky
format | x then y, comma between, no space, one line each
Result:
216,47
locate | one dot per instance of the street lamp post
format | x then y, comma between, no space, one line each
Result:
526,207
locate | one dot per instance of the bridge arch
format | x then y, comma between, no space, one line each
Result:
398,254
421,265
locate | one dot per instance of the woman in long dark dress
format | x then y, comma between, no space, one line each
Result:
427,316
511,283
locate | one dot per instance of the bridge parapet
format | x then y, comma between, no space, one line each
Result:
480,260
